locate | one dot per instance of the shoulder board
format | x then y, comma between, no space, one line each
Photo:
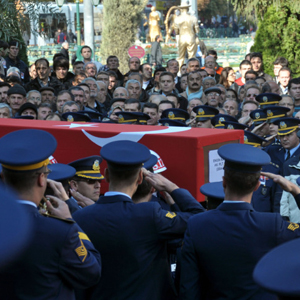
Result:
276,166
58,218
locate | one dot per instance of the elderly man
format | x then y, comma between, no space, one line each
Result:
90,69
94,90
133,88
231,107
62,98
5,111
47,95
34,97
121,92
16,98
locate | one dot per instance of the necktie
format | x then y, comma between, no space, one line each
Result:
288,155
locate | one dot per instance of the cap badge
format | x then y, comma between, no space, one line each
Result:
245,139
201,111
121,118
269,113
171,115
70,118
221,120
167,124
96,166
230,126
265,99
257,115
283,125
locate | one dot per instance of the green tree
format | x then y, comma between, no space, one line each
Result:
120,24
278,33
210,8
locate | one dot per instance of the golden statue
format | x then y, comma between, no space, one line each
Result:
154,28
187,28
170,20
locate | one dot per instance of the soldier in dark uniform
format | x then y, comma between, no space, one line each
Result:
60,256
290,146
222,246
132,237
267,197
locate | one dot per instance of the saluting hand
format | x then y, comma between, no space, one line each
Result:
284,183
159,182
58,189
81,200
57,207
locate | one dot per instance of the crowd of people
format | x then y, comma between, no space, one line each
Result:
127,244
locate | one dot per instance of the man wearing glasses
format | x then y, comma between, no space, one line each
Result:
87,180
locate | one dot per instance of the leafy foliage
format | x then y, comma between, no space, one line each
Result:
278,35
120,24
210,8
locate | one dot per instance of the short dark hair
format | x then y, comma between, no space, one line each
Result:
3,84
150,105
212,52
121,175
142,66
66,92
251,72
293,81
110,57
42,59
85,46
239,182
166,73
256,54
61,62
57,55
172,59
78,62
167,102
261,77
131,101
142,190
245,62
3,44
281,61
21,181
285,69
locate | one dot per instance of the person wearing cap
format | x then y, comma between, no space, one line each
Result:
267,197
43,78
28,109
175,114
222,246
47,94
132,237
204,114
60,256
290,145
218,120
16,97
259,126
214,193
13,60
213,96
87,180
266,99
127,117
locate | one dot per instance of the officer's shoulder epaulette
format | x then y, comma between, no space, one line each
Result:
274,165
58,218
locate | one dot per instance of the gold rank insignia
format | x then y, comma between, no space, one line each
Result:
170,215
201,111
96,166
230,126
70,118
269,113
245,139
221,120
283,125
265,99
293,226
81,251
257,115
171,115
121,118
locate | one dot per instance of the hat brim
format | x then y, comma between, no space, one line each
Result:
97,176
